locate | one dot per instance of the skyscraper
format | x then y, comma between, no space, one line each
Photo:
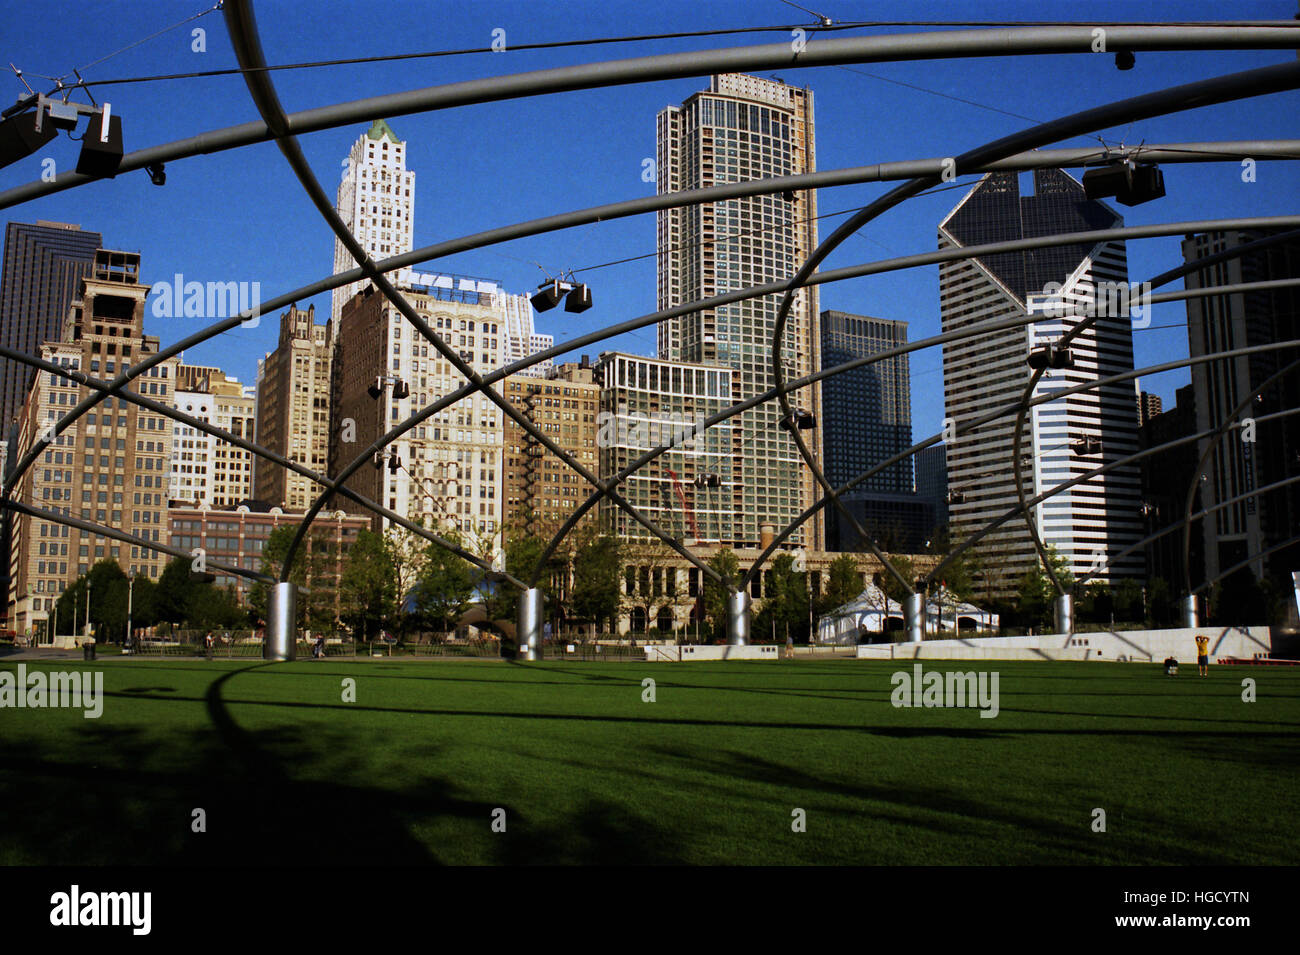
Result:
743,128
866,412
1270,452
1089,524
293,410
866,418
376,201
446,471
111,466
43,264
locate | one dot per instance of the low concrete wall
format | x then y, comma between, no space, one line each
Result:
672,654
1133,646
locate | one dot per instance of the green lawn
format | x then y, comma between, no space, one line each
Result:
709,773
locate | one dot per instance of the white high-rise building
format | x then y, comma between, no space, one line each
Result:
376,201
1089,524
206,472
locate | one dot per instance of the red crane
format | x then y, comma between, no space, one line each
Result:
690,515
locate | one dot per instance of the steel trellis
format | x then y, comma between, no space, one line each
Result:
1187,39
1216,436
1174,99
953,44
205,427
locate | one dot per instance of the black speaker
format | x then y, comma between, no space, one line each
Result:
19,138
578,300
1148,183
101,159
1106,181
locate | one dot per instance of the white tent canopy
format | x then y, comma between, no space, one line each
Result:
873,612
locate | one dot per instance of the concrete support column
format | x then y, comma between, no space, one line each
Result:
1065,613
281,623
738,607
528,630
1191,618
914,616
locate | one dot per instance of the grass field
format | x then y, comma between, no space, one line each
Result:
708,773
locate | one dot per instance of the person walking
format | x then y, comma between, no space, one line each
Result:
207,644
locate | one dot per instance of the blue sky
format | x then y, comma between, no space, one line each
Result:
240,215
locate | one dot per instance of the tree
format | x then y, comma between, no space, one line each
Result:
961,576
1035,597
727,566
368,586
407,555
315,563
183,599
785,604
445,588
843,584
597,573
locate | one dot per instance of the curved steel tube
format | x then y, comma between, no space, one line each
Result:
823,52
243,443
1204,512
243,33
1215,437
1289,542
992,416
1174,99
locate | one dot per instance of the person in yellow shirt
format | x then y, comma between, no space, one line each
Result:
1203,654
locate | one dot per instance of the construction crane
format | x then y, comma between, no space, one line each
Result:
681,496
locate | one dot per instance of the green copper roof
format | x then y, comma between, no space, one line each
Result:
380,129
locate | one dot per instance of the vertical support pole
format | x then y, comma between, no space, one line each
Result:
528,628
914,617
281,628
738,607
1065,613
1191,618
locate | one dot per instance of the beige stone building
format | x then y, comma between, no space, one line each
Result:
446,471
539,489
293,413
111,467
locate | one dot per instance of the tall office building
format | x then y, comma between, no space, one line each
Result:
446,471
866,418
866,412
206,472
743,128
1222,323
111,466
932,481
1089,524
1166,476
43,266
293,410
376,201
646,403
